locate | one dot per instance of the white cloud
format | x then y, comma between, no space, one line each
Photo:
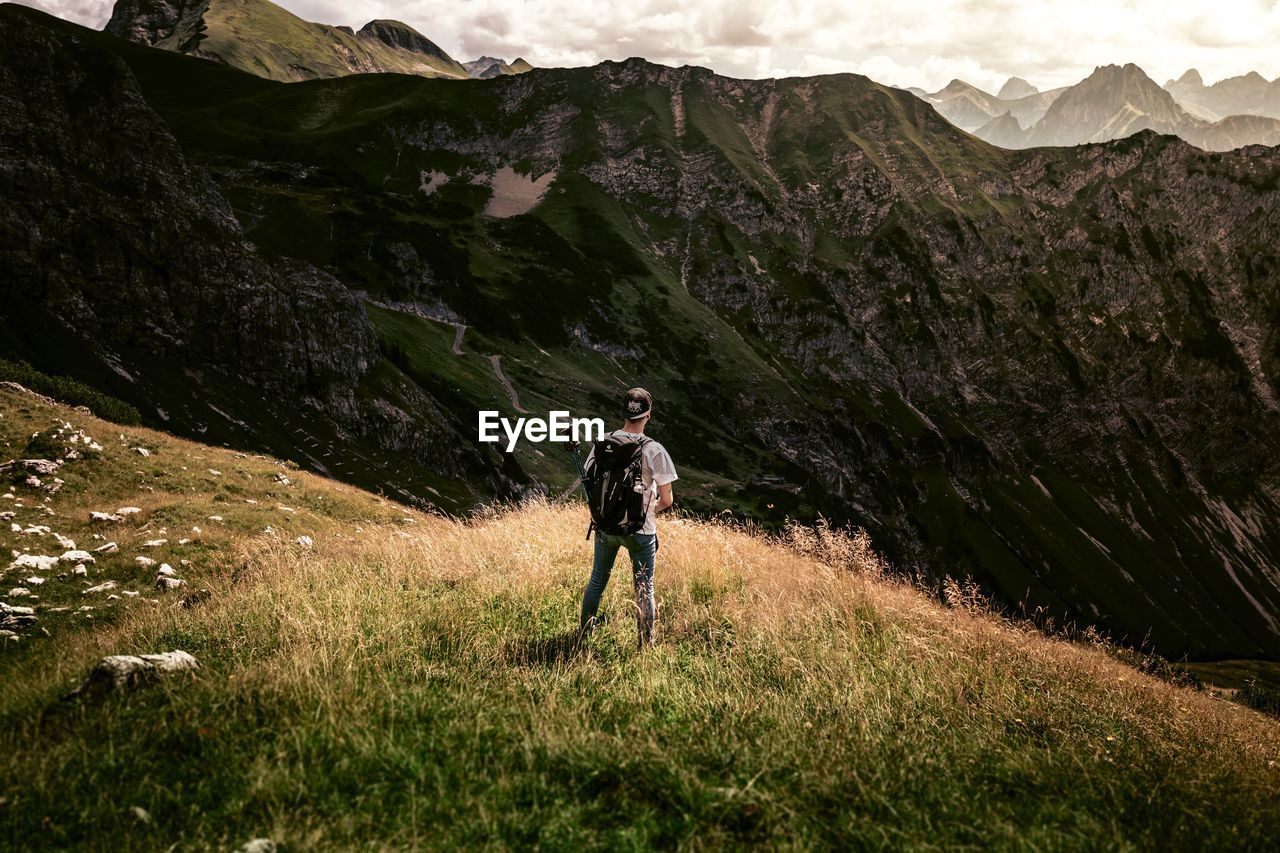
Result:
903,42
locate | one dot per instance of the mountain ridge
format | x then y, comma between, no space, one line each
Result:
1116,101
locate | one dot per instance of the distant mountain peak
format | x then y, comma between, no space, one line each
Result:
1016,87
1190,77
487,67
401,36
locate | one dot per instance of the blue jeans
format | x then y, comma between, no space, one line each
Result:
643,548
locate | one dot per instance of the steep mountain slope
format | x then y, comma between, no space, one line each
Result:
374,677
1003,364
1004,132
262,38
1111,103
126,266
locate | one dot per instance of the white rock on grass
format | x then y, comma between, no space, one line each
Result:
19,592
145,562
109,548
77,557
128,510
142,451
106,517
215,518
13,617
102,587
34,580
306,541
43,467
258,845
37,562
127,672
165,584
81,571
64,542
166,570
155,543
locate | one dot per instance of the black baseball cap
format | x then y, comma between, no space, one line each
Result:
637,404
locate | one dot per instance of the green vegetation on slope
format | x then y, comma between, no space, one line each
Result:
269,41
407,681
70,391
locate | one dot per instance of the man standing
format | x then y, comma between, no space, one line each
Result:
637,468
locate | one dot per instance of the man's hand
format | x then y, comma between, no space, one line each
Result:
665,498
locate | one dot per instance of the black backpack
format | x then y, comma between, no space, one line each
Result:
616,494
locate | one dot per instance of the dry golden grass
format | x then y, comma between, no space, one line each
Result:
411,681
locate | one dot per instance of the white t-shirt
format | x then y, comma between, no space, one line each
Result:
657,469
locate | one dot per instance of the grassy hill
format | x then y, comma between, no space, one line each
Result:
407,680
267,40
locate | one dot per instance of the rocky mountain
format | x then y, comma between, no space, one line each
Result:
1248,94
131,260
487,67
262,38
969,107
1111,103
1015,88
1003,131
1052,370
1114,102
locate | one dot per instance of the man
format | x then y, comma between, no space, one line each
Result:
658,473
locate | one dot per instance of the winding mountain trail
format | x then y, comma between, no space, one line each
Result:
459,328
496,361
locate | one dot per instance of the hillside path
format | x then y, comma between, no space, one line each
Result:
496,361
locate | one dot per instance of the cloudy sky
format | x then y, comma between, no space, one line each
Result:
902,42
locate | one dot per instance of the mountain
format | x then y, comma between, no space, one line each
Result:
1015,88
261,38
1001,363
487,67
1248,94
1114,102
969,107
1003,131
1111,103
165,298
965,105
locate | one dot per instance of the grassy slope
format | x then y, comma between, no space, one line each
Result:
269,41
407,682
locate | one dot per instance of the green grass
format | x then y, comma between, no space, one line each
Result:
70,391
409,682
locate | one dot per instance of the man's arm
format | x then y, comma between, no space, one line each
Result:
665,498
